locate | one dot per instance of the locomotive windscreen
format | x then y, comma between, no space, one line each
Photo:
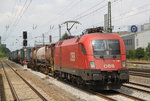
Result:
106,48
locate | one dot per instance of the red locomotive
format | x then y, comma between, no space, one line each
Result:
97,60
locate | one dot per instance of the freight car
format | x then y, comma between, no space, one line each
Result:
25,55
15,56
97,60
42,58
21,56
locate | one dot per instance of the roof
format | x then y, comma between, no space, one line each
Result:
128,34
87,37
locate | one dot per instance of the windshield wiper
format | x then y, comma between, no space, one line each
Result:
114,56
101,56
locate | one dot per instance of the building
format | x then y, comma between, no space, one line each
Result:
138,36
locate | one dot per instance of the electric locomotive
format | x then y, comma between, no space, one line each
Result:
97,60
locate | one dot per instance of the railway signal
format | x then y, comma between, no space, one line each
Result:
24,34
24,42
24,38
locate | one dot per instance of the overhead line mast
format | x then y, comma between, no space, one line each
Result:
109,18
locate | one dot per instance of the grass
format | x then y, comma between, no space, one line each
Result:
3,58
136,60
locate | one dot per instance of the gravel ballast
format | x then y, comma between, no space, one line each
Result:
60,91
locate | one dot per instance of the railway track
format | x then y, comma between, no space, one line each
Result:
12,87
88,91
141,74
139,70
103,95
14,94
128,96
106,96
137,89
141,85
138,63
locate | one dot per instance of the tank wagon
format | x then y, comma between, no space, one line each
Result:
42,58
97,60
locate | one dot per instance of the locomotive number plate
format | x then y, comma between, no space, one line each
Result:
72,56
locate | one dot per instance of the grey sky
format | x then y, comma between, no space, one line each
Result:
41,14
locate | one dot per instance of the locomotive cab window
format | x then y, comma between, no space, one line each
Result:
99,47
106,48
114,47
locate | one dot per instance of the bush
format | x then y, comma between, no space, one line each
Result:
148,50
131,54
146,57
4,51
139,53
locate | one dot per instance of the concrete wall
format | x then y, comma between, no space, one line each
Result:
142,39
129,41
146,26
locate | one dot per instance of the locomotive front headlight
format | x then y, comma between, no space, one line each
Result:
92,64
123,63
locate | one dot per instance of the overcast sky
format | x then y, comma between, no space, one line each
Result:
44,16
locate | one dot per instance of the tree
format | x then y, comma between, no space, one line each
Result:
65,36
140,53
4,51
148,50
131,54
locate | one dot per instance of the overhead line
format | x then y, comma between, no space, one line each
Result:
24,11
20,12
19,18
87,10
121,18
91,12
63,10
95,10
90,8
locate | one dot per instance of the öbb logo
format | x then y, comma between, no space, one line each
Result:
109,66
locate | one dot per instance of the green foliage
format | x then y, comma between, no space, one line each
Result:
65,36
131,54
139,53
148,50
4,51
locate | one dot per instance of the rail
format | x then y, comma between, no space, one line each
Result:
39,94
14,94
142,74
137,84
141,90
